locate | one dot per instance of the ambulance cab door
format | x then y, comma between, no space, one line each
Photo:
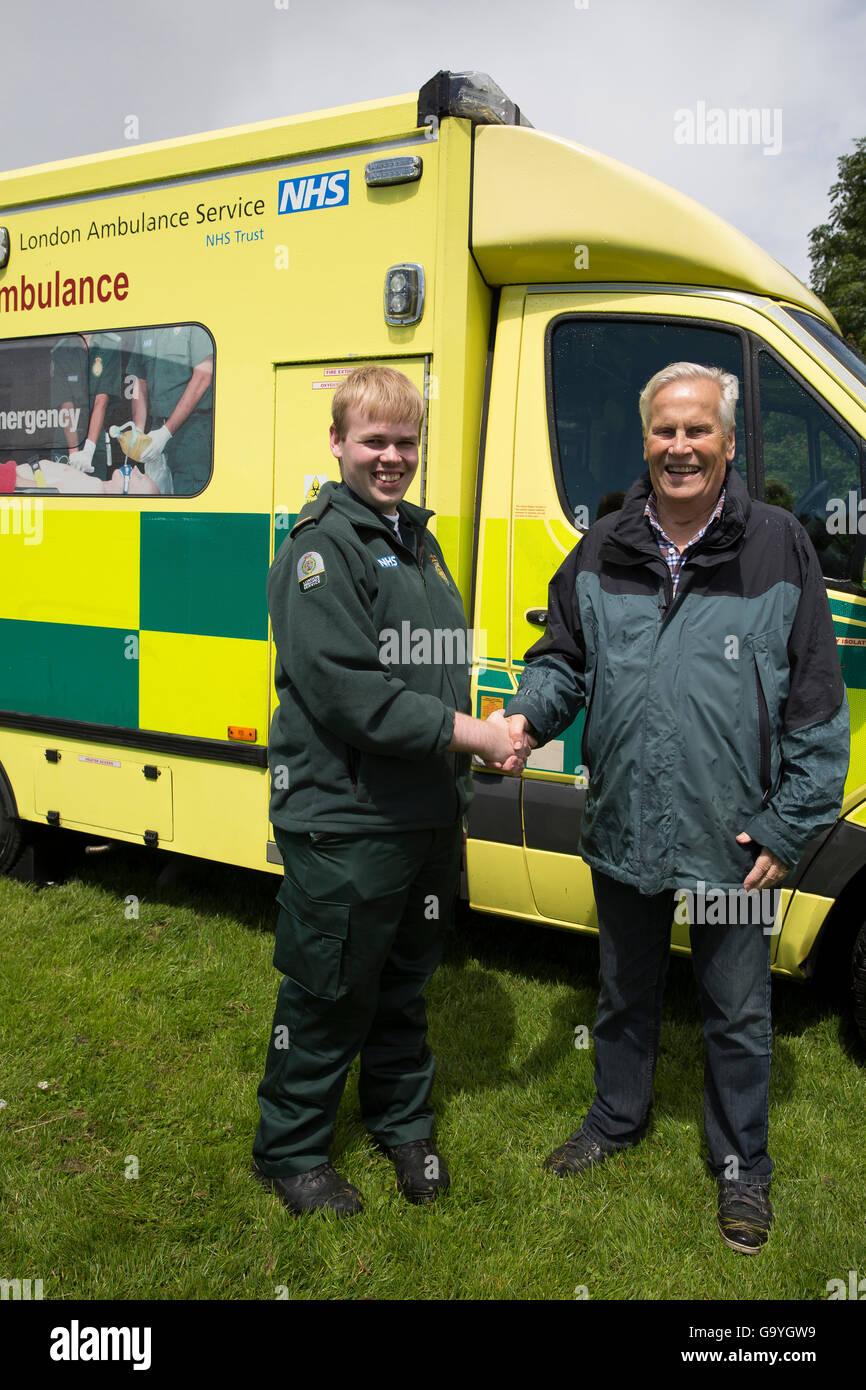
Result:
584,357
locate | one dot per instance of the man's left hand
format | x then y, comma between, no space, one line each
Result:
767,870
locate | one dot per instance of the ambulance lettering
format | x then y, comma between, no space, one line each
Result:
314,191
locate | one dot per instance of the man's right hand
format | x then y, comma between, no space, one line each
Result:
489,739
82,458
154,451
521,742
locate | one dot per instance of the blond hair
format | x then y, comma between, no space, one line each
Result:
381,393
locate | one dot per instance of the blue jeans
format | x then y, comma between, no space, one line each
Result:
732,970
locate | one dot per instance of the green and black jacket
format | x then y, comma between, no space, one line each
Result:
718,711
372,662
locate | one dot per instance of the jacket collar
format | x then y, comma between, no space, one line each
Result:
631,539
349,504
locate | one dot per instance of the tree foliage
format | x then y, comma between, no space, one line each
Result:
837,249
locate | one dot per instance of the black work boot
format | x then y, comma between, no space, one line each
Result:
420,1169
321,1189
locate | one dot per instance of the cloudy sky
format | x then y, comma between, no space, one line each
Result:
615,75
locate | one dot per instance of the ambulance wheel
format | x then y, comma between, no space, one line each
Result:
858,980
11,840
11,830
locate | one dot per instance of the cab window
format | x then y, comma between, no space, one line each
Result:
596,371
811,466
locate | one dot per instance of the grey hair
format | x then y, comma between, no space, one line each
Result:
680,371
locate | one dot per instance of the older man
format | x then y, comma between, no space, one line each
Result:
694,627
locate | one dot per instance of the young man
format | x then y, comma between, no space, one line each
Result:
369,786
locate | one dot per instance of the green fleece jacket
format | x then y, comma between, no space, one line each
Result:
372,662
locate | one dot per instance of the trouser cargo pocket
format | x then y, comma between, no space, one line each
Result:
310,938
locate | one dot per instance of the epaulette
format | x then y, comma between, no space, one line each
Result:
312,511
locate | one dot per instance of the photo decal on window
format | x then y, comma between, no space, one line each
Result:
126,412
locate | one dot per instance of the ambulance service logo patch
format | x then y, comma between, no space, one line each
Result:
311,571
439,570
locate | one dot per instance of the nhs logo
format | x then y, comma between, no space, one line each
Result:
314,191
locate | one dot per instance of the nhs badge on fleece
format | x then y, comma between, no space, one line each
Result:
314,191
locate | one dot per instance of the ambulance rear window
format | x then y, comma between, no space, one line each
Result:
109,412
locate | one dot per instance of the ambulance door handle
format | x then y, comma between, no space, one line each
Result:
538,616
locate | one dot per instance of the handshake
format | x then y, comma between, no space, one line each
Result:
502,743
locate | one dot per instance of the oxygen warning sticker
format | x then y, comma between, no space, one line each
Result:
311,572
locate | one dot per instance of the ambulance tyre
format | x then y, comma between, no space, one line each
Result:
11,830
858,980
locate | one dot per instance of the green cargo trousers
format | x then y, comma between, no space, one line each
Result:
360,929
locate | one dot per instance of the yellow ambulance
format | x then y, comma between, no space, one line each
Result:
197,301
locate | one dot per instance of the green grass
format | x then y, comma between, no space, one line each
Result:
151,1036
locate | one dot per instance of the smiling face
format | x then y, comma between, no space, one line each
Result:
378,458
685,446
